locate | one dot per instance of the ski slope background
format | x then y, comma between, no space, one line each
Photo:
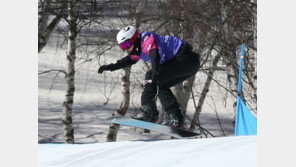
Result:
210,152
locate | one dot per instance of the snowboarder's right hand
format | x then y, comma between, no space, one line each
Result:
104,68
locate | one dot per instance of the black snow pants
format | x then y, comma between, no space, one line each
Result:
184,65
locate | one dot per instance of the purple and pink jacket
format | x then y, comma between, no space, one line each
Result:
167,46
154,48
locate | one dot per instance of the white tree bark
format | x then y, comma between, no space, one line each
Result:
254,74
122,108
70,84
124,105
230,52
205,91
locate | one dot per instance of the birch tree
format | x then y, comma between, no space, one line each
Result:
44,15
123,106
70,74
125,83
204,91
45,29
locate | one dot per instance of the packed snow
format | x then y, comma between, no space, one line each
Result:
207,152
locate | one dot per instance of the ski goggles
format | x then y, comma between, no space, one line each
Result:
125,45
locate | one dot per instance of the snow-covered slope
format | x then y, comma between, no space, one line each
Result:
211,152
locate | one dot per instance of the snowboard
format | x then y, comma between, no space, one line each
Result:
166,130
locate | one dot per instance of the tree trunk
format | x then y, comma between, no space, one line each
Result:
43,37
205,91
42,23
44,30
44,15
122,108
229,51
70,85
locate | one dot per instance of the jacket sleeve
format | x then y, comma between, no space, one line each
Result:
123,63
154,59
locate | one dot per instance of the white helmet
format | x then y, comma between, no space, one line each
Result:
126,33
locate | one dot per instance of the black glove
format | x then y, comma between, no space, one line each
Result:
105,68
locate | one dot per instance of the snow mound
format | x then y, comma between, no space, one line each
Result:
209,152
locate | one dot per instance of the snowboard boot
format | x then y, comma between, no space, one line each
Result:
174,119
146,115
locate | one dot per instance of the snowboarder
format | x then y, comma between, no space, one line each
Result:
172,60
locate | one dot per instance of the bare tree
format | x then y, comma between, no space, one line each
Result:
45,29
82,16
124,105
44,15
205,91
70,84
